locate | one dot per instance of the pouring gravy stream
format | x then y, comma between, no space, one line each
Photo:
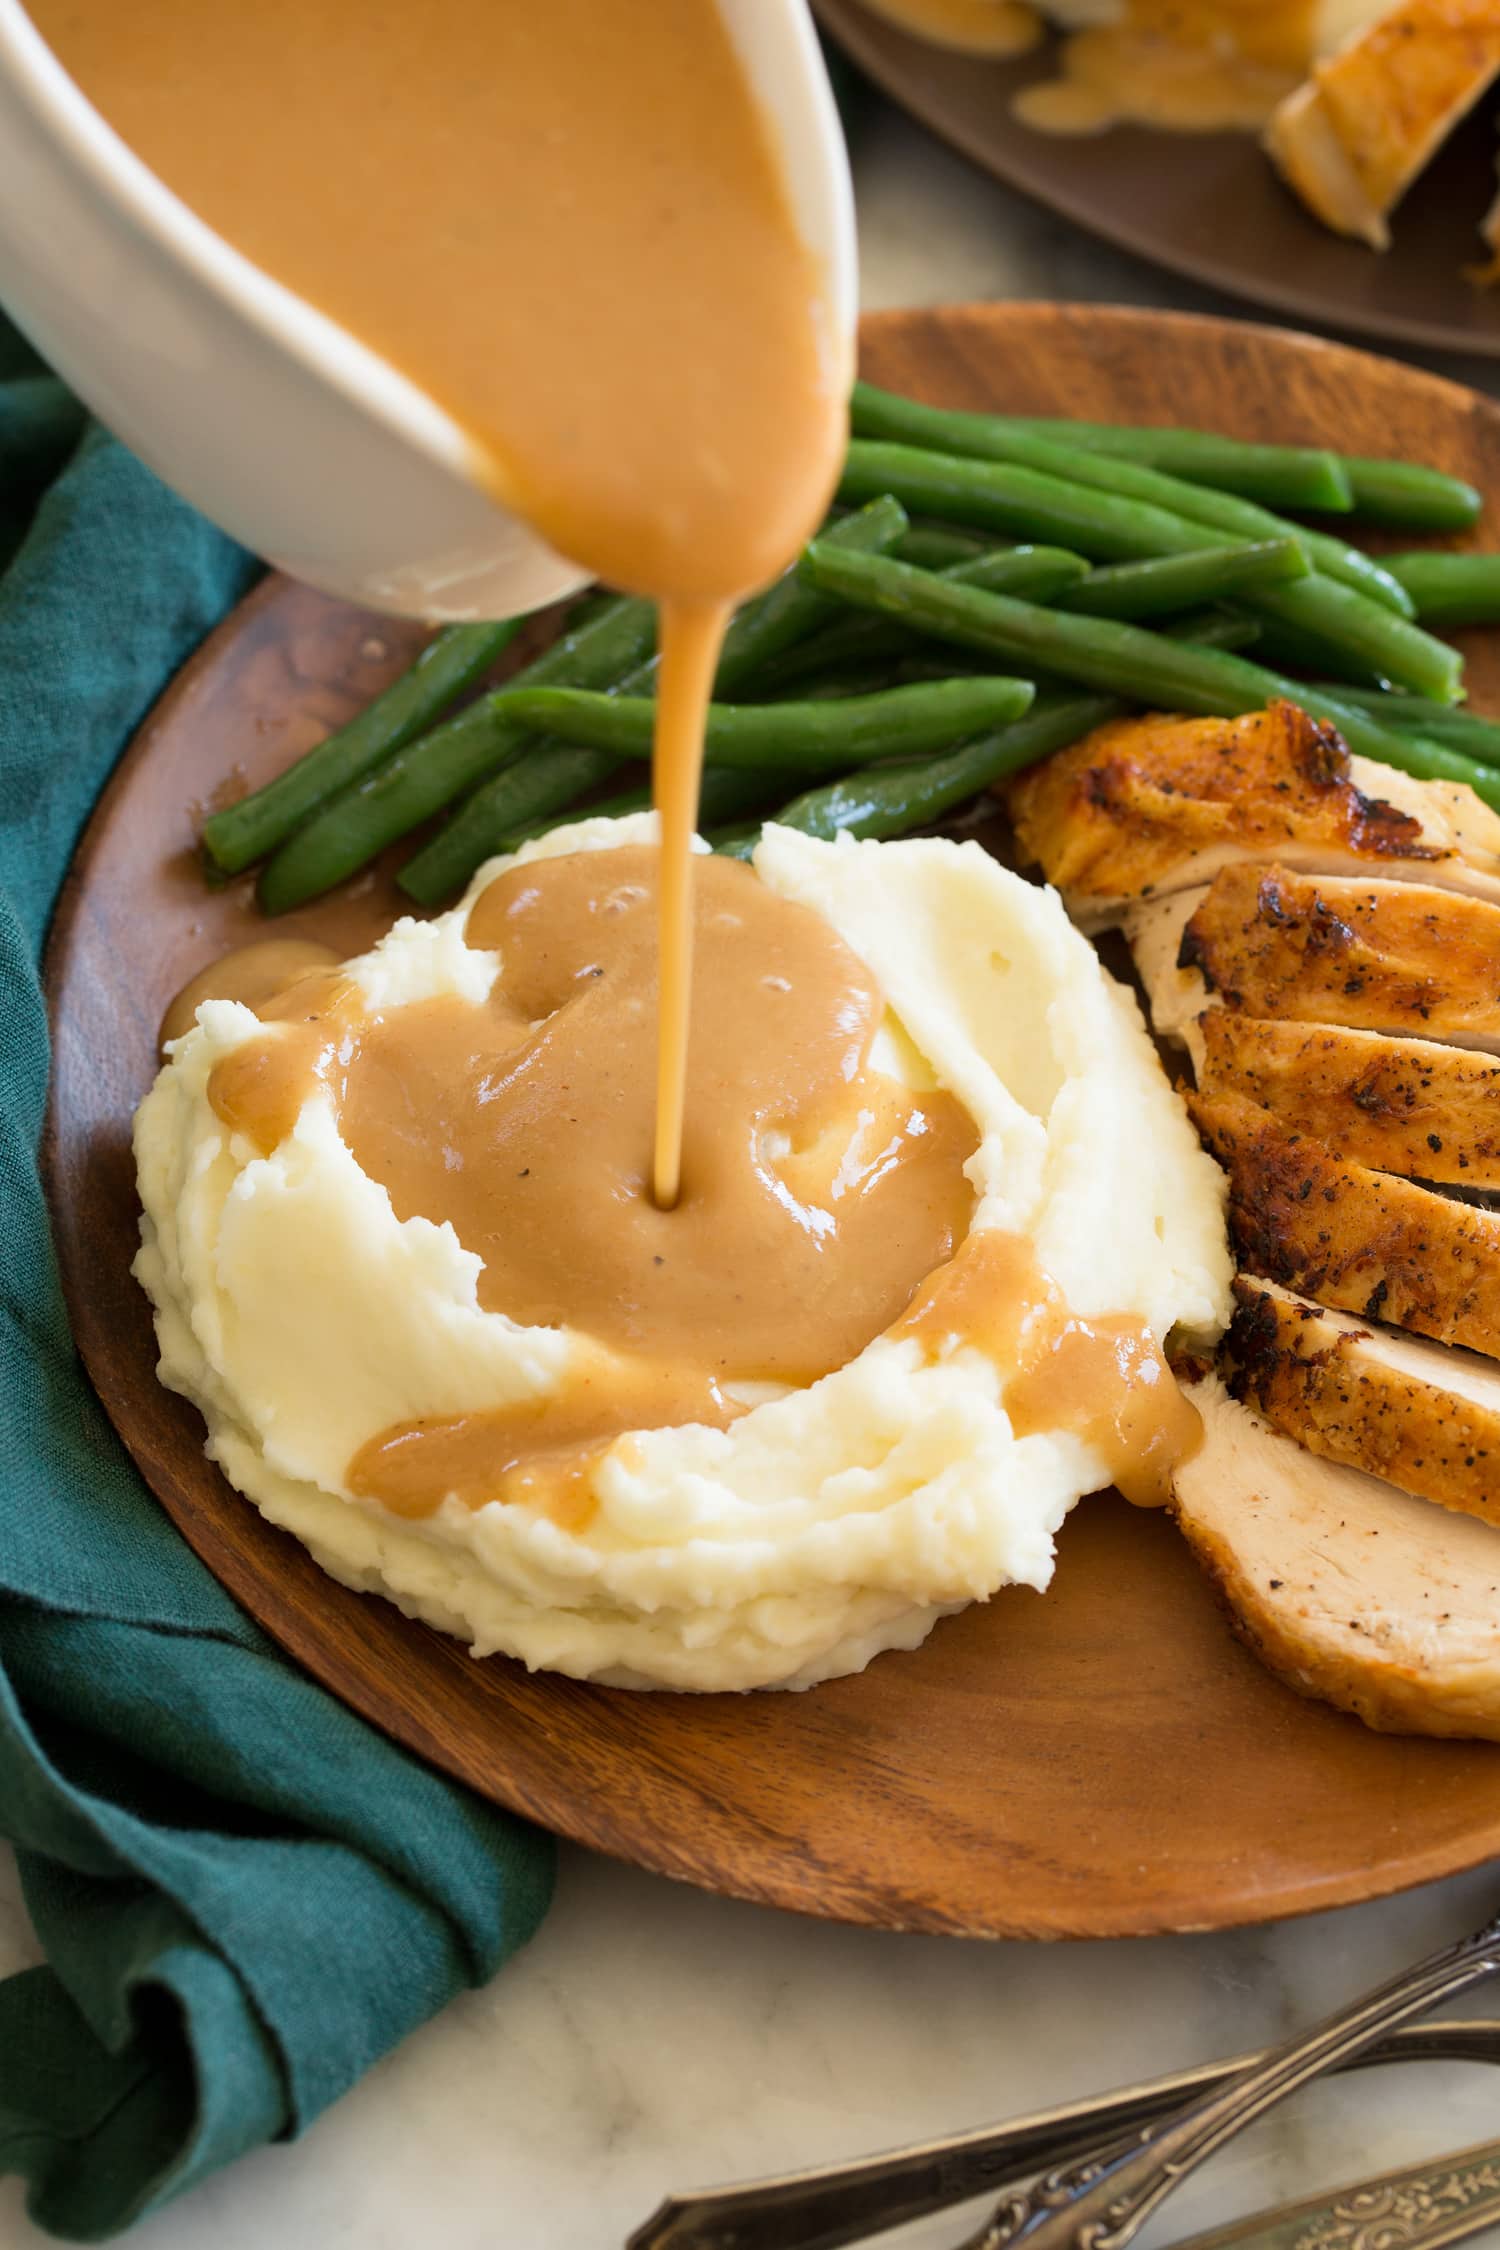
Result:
567,225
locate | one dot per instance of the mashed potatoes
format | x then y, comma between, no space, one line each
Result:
827,1523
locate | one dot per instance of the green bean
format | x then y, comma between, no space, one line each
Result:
1288,650
555,775
1413,714
1098,652
993,438
1404,494
1040,573
791,609
778,619
891,800
1451,589
1102,653
1204,628
526,797
1367,574
1329,615
1413,753
349,830
588,605
1112,525
1278,476
1216,628
1409,497
726,791
618,807
450,663
1020,501
737,840
931,547
791,736
1167,583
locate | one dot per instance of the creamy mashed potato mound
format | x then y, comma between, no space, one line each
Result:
827,1523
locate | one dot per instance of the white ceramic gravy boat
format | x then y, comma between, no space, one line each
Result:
277,423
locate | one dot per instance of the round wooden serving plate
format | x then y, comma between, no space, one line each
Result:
1209,205
1101,1760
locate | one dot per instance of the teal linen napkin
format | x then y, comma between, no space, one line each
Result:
245,1894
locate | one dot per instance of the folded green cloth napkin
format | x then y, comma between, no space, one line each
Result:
245,1894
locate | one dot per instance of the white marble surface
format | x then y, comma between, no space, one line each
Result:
653,2037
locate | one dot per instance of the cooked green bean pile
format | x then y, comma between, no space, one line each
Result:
991,588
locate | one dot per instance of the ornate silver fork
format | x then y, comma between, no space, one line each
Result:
832,2205
1102,2201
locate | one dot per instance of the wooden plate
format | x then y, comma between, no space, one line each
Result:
1101,1760
1209,205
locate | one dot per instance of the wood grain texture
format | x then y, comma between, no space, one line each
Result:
1101,1760
1210,205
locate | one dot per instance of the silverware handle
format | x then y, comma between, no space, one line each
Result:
1101,2202
1426,2206
836,2204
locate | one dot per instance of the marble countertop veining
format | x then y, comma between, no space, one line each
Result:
654,2037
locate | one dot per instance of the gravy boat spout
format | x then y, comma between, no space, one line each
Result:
273,420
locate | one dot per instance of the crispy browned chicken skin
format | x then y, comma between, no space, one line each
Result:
1353,1238
1145,806
1352,139
1379,956
1398,1105
1421,1415
1323,935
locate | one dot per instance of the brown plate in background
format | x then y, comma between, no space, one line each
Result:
1209,205
1099,1761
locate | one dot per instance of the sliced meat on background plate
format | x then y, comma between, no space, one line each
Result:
1354,136
1351,1591
1378,956
1356,1239
1398,1105
1419,1414
1146,806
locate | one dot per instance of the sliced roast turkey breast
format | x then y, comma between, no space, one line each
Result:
1354,136
1175,996
1351,1591
1455,823
1356,1239
1147,806
1398,1105
1354,950
1422,1415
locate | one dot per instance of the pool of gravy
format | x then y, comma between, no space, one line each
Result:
252,974
568,225
817,1191
824,1203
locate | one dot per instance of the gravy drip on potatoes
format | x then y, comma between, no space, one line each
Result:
817,1191
1104,1379
567,224
251,974
823,1202
539,1453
